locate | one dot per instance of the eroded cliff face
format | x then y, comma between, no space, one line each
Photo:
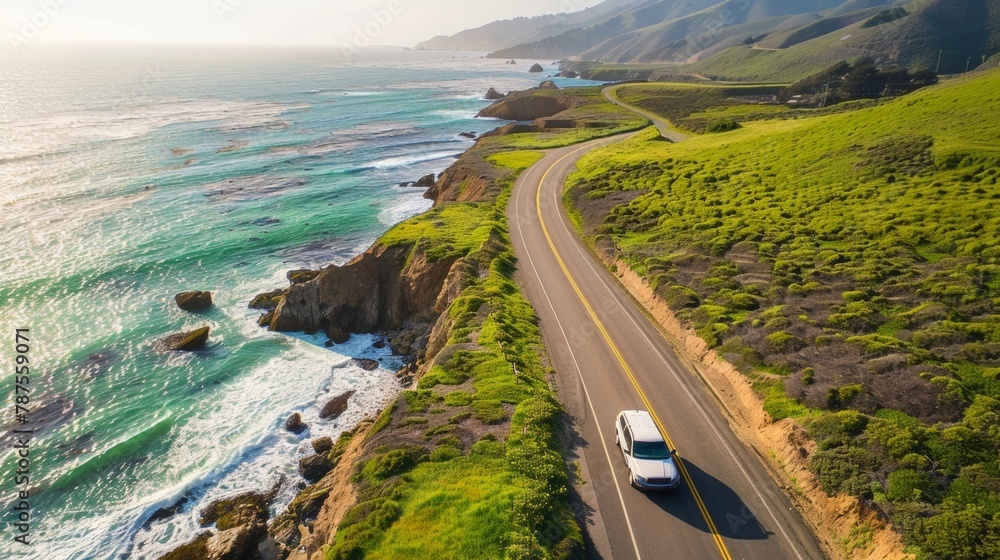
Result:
383,289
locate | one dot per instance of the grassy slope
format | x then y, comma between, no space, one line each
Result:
853,259
467,465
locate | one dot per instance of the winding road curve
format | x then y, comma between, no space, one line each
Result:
611,357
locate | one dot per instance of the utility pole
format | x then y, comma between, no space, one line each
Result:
967,63
825,94
938,69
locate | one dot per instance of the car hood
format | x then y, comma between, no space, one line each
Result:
655,468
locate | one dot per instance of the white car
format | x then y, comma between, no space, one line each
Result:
650,462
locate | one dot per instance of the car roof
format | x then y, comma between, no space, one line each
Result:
643,427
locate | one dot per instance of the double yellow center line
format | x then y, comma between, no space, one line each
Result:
628,371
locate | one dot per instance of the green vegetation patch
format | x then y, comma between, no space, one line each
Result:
449,231
517,160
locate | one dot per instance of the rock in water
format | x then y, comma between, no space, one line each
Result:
536,68
425,182
194,301
469,135
314,467
493,95
295,424
336,406
187,342
366,364
322,445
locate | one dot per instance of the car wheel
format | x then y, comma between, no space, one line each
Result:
631,480
617,442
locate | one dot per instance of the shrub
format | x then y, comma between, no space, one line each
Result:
846,423
396,461
743,302
458,398
445,453
681,297
959,535
781,341
844,470
724,124
896,438
907,485
488,411
420,401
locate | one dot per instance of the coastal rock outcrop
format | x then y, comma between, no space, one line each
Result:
315,467
366,364
337,405
322,445
241,522
536,68
194,301
525,107
548,84
425,181
377,291
295,424
493,95
234,544
186,341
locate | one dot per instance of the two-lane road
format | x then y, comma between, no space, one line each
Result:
610,357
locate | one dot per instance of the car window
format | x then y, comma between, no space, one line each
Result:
621,422
628,438
650,450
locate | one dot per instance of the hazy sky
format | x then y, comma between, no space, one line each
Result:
259,21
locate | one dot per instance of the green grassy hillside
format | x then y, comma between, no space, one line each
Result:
850,265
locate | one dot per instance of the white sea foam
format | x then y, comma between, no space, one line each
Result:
403,161
408,203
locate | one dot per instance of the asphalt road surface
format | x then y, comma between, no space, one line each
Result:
610,357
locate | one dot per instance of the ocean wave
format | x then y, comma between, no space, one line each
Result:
407,160
408,203
116,451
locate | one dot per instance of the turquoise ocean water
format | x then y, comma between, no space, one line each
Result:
128,175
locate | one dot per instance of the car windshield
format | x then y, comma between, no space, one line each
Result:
650,450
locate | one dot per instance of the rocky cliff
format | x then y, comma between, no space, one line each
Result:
383,289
